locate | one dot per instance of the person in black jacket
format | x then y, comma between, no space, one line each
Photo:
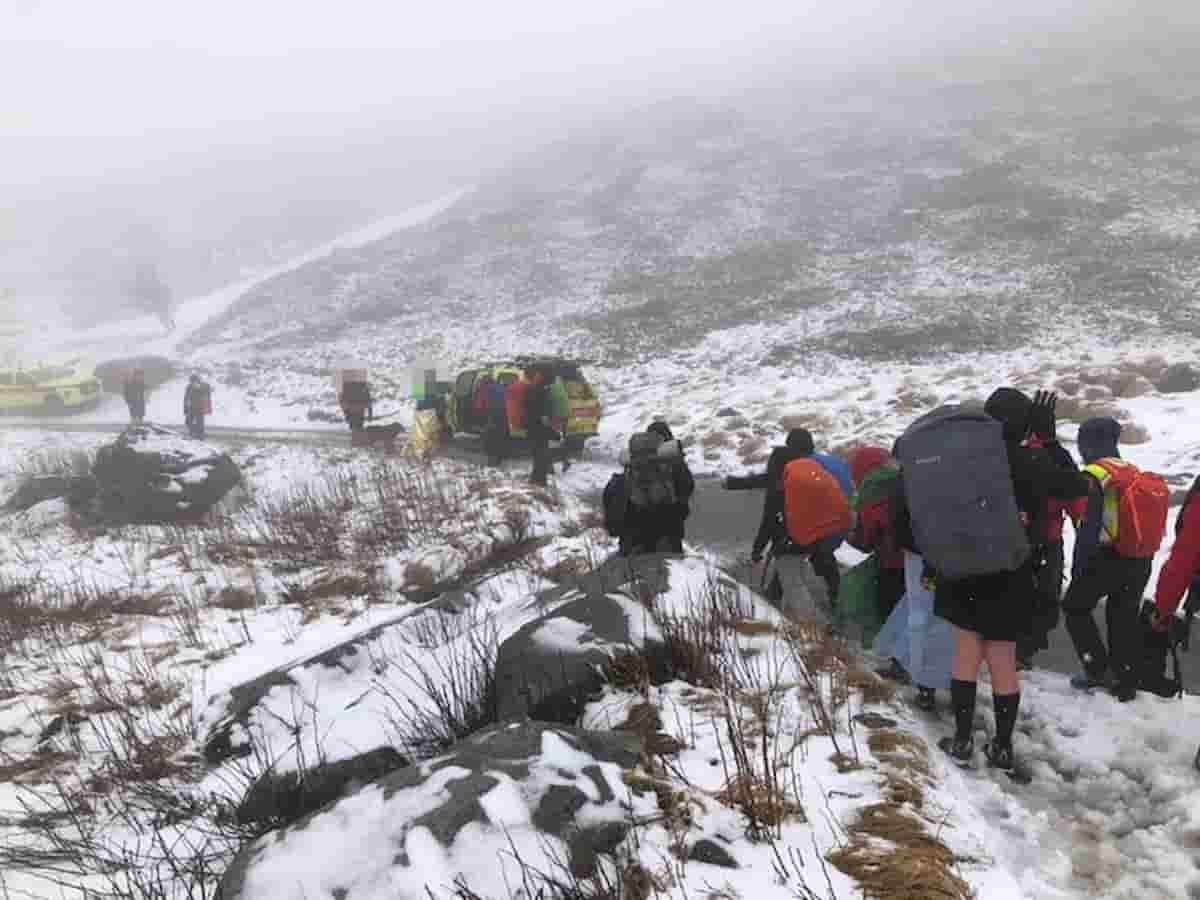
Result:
671,527
657,528
772,531
991,612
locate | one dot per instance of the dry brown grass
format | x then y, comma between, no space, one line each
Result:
235,599
892,856
909,400
900,750
754,627
420,576
759,801
628,672
715,440
874,690
817,423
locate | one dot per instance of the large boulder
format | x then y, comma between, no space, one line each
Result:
551,797
550,668
282,798
77,489
150,474
1179,379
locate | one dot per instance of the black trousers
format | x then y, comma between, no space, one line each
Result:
1122,581
540,444
355,420
889,590
1048,583
496,443
824,563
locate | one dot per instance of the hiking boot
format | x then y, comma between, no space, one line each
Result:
962,752
1085,682
1124,692
999,756
893,671
926,699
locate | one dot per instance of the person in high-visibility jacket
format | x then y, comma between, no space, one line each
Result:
1098,571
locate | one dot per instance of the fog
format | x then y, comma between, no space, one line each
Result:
202,140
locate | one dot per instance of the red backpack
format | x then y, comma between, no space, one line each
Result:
1143,499
814,506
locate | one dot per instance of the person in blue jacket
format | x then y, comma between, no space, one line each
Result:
799,445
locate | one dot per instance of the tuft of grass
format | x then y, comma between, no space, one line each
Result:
893,856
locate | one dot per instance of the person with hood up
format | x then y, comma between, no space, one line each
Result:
991,611
672,527
1099,570
135,396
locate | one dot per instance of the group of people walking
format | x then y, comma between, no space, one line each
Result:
197,401
963,523
537,404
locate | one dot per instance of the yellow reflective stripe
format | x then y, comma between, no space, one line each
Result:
1112,505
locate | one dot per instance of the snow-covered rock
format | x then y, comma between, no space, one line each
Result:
548,669
552,796
151,474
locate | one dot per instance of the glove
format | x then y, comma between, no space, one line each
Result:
756,556
1158,621
1041,422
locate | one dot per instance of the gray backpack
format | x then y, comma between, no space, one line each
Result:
649,476
959,490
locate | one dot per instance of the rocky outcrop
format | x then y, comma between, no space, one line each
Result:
150,474
283,798
550,796
549,668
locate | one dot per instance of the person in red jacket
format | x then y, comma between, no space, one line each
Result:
1182,565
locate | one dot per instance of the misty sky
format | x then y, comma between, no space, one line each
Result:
208,136
90,86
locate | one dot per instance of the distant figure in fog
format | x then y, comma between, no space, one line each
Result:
197,403
355,400
537,425
135,396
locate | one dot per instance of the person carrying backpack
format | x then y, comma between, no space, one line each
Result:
537,426
977,496
645,503
1115,544
877,483
772,530
806,516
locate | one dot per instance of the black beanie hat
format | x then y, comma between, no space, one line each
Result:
1010,407
801,440
662,429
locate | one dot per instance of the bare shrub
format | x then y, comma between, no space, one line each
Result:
456,692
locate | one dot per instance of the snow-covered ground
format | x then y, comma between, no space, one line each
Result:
1114,810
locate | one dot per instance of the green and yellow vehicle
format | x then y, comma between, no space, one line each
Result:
583,419
50,389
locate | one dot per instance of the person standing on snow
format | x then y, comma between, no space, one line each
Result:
685,486
1049,563
1183,563
1107,565
135,396
197,403
537,426
991,611
796,536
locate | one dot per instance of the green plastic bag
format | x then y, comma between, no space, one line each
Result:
857,598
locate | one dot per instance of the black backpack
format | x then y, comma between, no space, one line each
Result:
614,504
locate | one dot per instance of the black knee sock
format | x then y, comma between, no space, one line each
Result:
962,699
1006,706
